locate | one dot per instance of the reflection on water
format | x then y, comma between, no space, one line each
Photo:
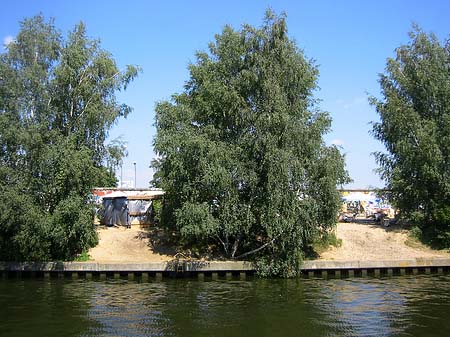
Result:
398,306
365,309
125,308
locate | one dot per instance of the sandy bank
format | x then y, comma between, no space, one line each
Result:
360,242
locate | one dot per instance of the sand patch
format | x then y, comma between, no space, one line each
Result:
369,241
120,244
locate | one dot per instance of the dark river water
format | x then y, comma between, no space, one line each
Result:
397,306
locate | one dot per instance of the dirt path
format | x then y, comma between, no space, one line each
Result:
368,241
360,241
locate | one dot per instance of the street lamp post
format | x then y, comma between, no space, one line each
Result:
134,163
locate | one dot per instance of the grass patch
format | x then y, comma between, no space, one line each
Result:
413,242
83,257
321,244
419,239
415,238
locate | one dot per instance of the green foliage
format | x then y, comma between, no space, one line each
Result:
23,229
72,228
323,242
241,154
415,128
416,233
157,206
57,104
83,257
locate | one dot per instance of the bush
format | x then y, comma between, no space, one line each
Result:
28,233
73,230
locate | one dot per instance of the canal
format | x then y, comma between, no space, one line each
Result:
396,306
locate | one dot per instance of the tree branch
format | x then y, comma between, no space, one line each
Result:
257,249
235,245
223,244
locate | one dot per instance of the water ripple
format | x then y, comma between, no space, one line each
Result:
391,307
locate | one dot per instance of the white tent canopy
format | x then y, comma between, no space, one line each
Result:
359,196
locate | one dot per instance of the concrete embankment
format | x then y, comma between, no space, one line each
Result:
228,269
323,268
173,268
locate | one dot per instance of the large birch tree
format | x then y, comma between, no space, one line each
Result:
241,154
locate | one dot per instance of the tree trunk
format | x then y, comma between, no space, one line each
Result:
236,245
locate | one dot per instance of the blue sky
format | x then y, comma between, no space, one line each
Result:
350,41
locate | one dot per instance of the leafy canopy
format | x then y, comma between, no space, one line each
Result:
57,104
415,129
240,151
